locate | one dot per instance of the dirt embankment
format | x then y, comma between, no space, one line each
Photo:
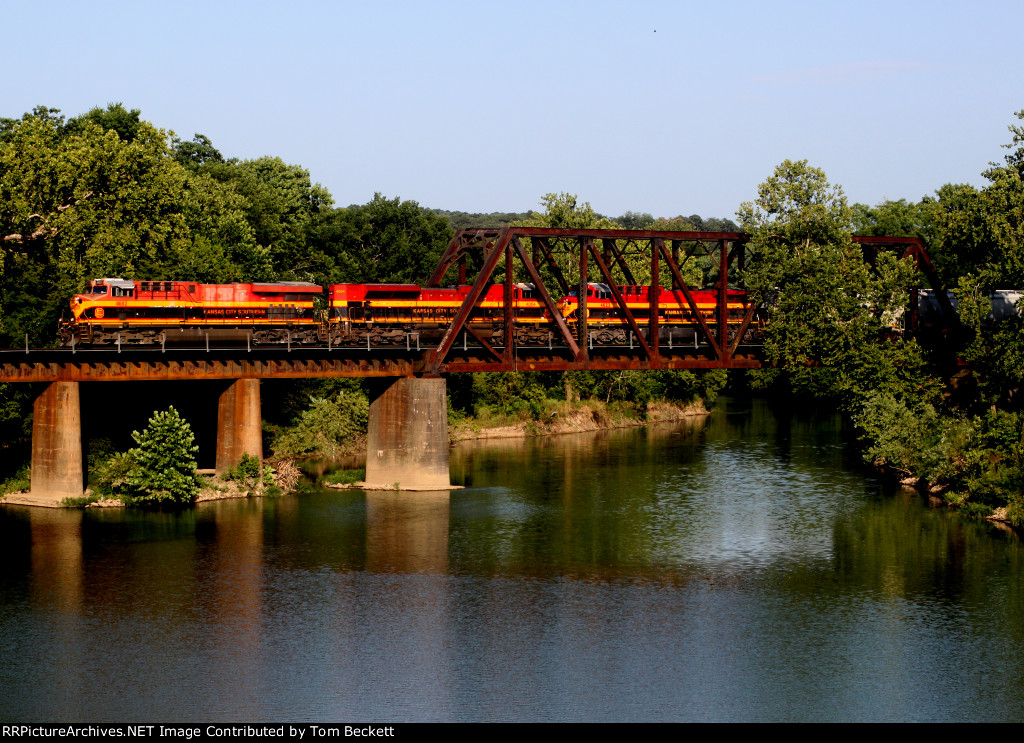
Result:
587,416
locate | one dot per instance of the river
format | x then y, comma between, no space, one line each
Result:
742,567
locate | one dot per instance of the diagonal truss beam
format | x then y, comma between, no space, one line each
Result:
617,295
612,250
549,303
691,301
476,293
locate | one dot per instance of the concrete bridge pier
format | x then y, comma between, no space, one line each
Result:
239,426
407,440
57,461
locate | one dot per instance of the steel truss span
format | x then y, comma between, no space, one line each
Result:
529,299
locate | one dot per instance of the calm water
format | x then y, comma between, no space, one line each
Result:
742,568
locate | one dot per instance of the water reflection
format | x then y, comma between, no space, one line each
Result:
737,567
57,570
407,532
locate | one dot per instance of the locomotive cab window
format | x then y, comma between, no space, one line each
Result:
122,292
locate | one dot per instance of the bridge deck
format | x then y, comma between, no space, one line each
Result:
65,365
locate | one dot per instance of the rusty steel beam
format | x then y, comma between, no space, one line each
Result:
68,370
508,316
612,251
618,363
461,245
619,300
582,314
747,317
913,247
551,263
678,278
549,303
654,297
476,292
485,248
723,298
467,328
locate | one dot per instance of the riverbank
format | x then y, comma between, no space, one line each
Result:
935,495
579,417
286,476
587,416
559,418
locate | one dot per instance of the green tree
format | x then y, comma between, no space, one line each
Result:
636,221
127,124
828,307
384,240
280,203
164,461
329,426
198,152
564,211
77,202
900,218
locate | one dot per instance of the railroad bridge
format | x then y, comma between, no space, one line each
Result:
407,441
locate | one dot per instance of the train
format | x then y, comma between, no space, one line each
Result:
124,312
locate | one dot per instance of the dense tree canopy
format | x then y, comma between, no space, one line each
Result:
107,193
828,306
386,240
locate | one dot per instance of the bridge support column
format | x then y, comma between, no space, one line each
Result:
239,423
407,441
57,469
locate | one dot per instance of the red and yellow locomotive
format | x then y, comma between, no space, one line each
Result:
120,311
125,312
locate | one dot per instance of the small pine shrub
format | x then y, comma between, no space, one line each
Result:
165,464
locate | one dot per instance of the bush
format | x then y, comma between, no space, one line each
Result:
164,461
345,477
329,426
110,478
975,510
246,472
19,481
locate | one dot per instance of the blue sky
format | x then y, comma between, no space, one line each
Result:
663,107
